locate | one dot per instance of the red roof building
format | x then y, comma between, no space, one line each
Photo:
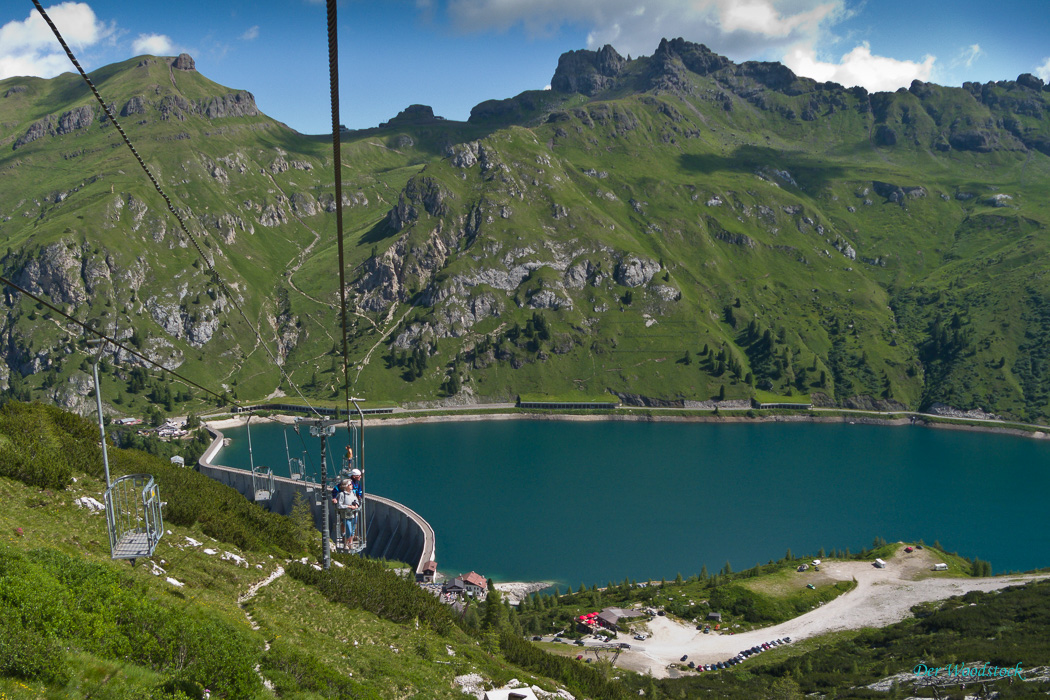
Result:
476,579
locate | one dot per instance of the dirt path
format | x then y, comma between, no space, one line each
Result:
882,597
252,590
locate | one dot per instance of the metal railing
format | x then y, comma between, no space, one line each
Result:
133,516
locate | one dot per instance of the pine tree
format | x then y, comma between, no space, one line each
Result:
470,617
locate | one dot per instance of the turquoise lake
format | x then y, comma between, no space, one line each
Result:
577,502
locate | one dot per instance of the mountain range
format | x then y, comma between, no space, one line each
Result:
675,229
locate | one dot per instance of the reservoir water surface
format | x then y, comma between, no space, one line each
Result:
590,502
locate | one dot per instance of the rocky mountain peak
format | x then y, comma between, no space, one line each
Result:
696,57
184,62
413,114
587,72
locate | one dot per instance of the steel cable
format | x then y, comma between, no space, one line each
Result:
333,75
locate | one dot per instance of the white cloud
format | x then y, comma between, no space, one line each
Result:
252,33
860,67
968,55
741,29
1043,71
971,54
154,44
29,47
762,17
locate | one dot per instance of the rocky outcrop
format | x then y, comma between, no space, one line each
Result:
629,399
79,118
885,136
380,283
37,130
234,104
635,271
420,193
174,106
412,115
281,164
867,403
587,72
196,327
973,140
327,201
184,62
226,226
55,273
740,239
67,122
463,155
940,409
136,105
304,204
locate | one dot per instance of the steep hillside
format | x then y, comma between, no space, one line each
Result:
676,227
228,602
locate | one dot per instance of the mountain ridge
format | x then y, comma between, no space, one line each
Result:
547,243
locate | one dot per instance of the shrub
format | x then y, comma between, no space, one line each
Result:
292,670
368,585
49,600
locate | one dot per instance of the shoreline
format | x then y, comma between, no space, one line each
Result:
913,419
515,591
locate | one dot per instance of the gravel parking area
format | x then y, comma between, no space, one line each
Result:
882,597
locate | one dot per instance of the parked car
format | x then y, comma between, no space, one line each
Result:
537,638
909,550
811,587
684,657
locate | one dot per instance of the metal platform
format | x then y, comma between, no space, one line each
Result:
133,515
132,545
357,547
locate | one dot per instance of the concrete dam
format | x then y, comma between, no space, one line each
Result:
393,530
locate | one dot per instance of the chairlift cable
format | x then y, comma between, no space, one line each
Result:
333,76
171,208
114,341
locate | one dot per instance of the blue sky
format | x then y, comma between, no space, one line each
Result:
452,54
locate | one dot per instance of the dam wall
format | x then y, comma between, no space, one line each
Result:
392,530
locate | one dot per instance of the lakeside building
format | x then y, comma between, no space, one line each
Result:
610,617
475,584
